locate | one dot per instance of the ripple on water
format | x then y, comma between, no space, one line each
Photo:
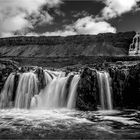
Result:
63,123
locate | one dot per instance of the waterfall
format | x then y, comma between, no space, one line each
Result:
50,97
49,90
135,46
105,91
55,93
40,89
7,92
27,88
72,95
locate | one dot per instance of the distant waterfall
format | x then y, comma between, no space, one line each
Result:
105,91
134,49
27,88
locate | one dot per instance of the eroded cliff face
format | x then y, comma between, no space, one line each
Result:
125,86
87,45
6,67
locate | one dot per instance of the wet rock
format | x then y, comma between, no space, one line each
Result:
6,67
125,85
41,78
87,90
16,81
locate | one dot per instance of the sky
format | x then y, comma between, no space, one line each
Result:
68,17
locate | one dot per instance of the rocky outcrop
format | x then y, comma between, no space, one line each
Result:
6,67
87,98
108,44
125,85
41,78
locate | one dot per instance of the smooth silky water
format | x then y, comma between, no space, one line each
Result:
52,113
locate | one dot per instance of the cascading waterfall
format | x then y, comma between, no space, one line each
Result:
105,90
7,92
27,88
50,97
55,93
45,89
59,90
134,49
72,95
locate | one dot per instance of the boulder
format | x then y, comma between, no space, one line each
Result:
87,90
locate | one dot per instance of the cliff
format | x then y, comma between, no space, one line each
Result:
108,44
124,84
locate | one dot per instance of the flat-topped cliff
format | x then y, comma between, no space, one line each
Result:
107,44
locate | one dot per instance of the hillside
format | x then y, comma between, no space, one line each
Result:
108,44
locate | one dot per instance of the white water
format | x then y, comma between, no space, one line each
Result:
105,90
72,96
60,91
54,94
135,46
7,92
27,88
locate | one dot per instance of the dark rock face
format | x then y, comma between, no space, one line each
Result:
41,78
87,90
125,85
16,81
132,90
6,67
108,44
120,78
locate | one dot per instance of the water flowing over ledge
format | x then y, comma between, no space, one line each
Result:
44,103
106,86
45,89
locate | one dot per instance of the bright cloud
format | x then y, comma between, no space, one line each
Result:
116,8
89,25
15,14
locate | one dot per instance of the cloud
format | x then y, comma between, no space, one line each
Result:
89,25
86,25
99,24
76,14
60,33
64,32
116,8
22,15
